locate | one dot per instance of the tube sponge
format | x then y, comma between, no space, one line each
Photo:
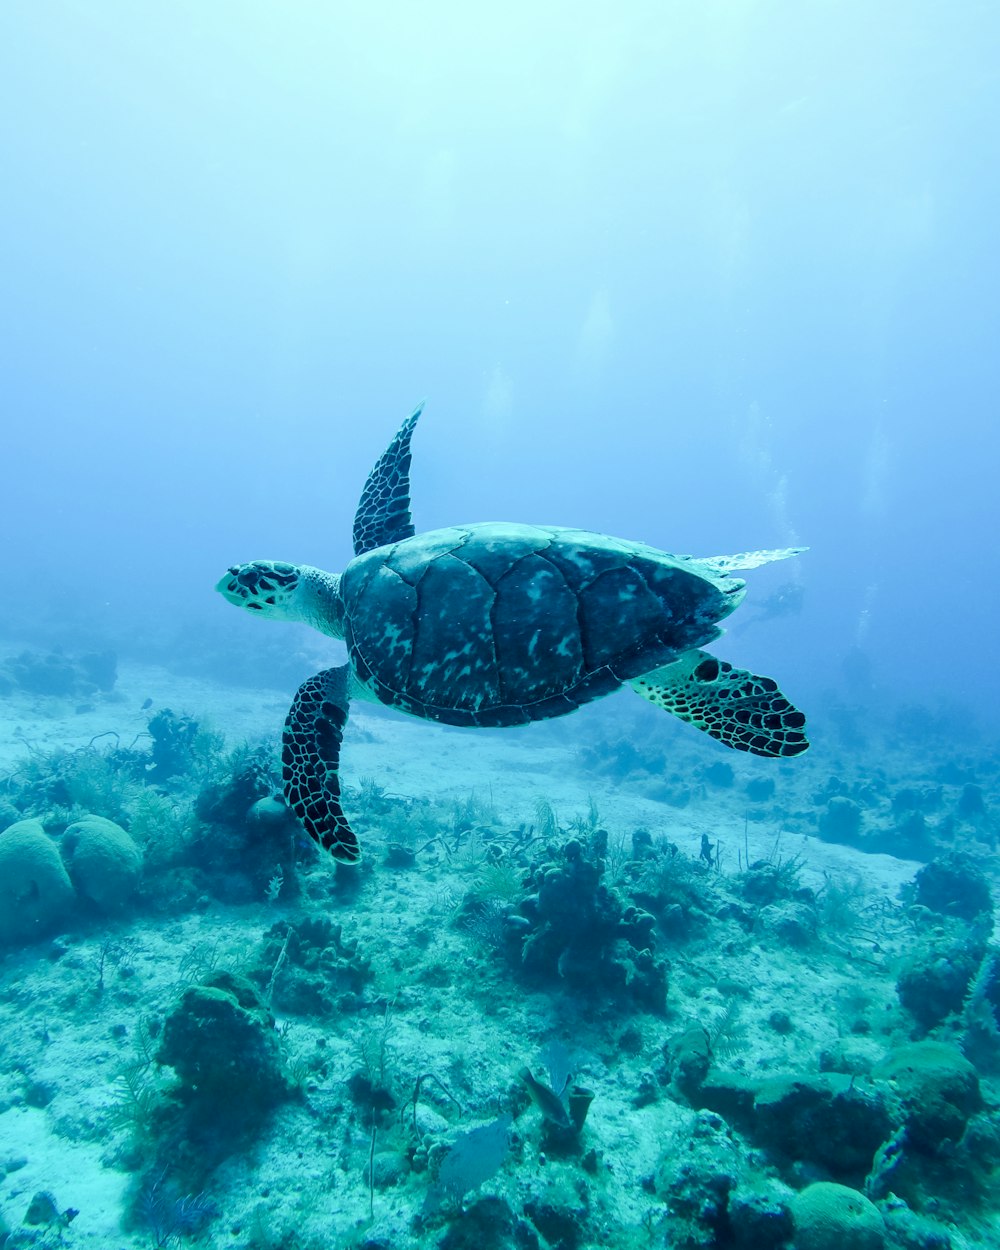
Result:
35,889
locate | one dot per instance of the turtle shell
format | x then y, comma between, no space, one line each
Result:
498,624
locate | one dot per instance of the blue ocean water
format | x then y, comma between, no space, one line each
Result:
711,277
716,279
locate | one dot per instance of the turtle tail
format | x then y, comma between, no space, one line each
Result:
310,761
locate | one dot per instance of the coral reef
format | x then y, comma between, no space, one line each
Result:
36,894
60,675
103,862
307,967
573,927
832,1217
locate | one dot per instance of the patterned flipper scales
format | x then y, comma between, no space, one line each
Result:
383,515
746,712
310,760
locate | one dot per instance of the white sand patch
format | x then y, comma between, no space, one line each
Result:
72,1171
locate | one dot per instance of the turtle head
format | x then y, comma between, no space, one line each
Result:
285,592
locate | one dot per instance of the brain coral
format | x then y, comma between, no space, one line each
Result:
834,1217
103,861
35,892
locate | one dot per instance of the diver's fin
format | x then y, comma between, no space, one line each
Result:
738,708
383,515
310,761
746,559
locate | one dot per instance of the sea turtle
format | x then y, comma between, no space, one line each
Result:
497,624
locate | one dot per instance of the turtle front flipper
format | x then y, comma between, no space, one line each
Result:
310,761
383,515
738,708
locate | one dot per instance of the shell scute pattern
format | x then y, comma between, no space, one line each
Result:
454,658
537,632
490,624
412,558
383,610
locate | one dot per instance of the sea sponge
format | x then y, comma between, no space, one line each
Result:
221,1042
834,1217
35,890
103,861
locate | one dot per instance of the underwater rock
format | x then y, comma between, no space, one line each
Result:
842,821
247,838
935,978
954,886
852,1056
909,1231
697,1185
720,774
938,1089
727,1094
971,802
51,674
580,931
272,833
760,789
233,802
35,890
912,835
689,1058
389,1169
488,1224
559,1224
311,967
833,1217
910,799
781,1022
270,812
794,923
673,888
981,1015
759,1221
63,676
173,738
220,1040
827,1120
104,863
42,1209
100,667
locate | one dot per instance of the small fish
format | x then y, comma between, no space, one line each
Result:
147,704
549,1103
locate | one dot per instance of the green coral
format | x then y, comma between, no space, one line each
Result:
103,861
35,889
834,1217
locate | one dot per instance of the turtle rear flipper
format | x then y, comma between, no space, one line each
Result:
310,761
738,708
744,560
